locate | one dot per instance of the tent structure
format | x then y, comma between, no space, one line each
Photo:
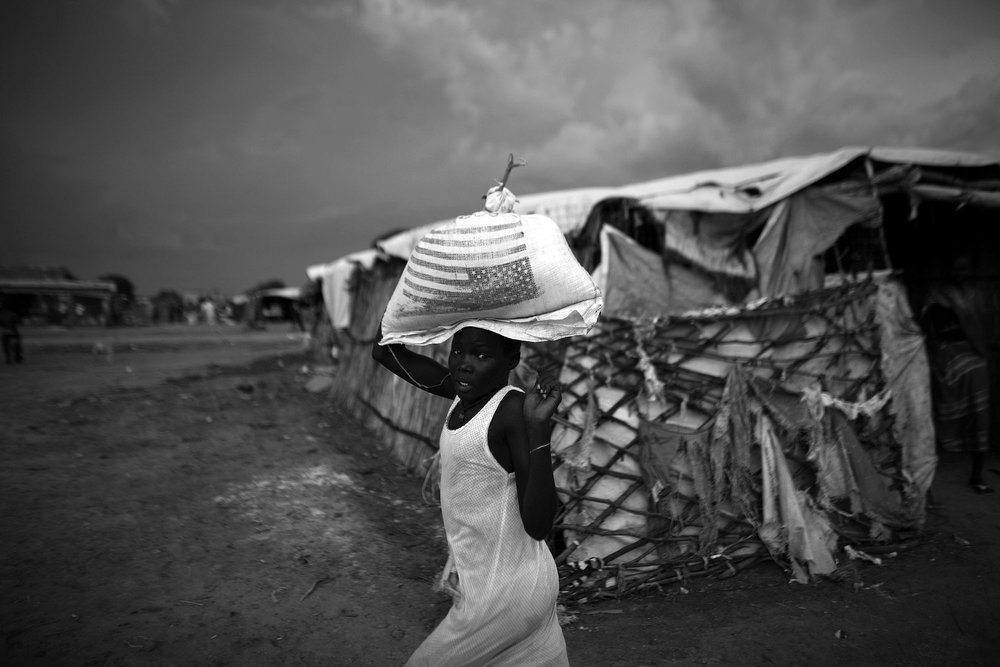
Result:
758,386
335,282
48,296
272,303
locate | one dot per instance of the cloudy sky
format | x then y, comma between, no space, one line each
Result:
199,144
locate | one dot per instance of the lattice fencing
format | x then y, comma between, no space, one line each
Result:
680,443
658,449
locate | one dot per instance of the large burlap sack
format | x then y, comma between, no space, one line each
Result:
496,270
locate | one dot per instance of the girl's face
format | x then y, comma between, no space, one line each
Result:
479,362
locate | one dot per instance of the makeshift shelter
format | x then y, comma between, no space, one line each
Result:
272,304
167,307
49,296
335,282
758,385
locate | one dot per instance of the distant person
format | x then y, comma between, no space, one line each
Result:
961,391
254,316
295,312
316,306
208,311
10,328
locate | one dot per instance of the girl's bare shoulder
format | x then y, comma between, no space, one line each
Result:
510,410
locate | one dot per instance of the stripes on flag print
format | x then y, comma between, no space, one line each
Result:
472,268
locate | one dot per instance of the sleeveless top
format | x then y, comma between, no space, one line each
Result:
504,607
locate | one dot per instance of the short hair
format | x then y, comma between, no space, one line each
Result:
510,346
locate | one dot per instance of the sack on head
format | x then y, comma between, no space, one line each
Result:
511,274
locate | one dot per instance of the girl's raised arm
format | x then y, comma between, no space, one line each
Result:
419,370
528,427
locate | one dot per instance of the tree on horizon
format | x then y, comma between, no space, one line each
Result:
123,286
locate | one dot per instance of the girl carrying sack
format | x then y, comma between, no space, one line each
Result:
491,279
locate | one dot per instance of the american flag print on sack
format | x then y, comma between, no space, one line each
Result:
475,268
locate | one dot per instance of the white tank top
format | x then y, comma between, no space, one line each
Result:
504,612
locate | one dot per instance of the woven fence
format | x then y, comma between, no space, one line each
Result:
657,449
670,432
405,419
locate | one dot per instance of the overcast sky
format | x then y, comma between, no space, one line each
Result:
199,144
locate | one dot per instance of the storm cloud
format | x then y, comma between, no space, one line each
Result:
214,144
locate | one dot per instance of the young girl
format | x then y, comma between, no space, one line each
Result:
498,503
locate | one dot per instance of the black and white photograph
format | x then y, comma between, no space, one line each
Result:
461,333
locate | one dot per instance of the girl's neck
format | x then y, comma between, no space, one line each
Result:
462,405
468,410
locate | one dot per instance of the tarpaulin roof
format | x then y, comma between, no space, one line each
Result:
336,276
56,286
280,292
753,187
364,257
567,208
928,157
742,189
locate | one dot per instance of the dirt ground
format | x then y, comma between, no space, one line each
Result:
185,500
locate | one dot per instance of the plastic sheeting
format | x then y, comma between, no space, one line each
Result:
745,188
715,241
741,189
567,208
336,278
637,284
792,521
803,227
904,362
817,482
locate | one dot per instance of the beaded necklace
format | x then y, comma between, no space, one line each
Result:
463,409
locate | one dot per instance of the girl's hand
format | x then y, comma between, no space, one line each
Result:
541,402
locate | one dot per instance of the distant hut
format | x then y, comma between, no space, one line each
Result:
53,296
167,307
258,306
